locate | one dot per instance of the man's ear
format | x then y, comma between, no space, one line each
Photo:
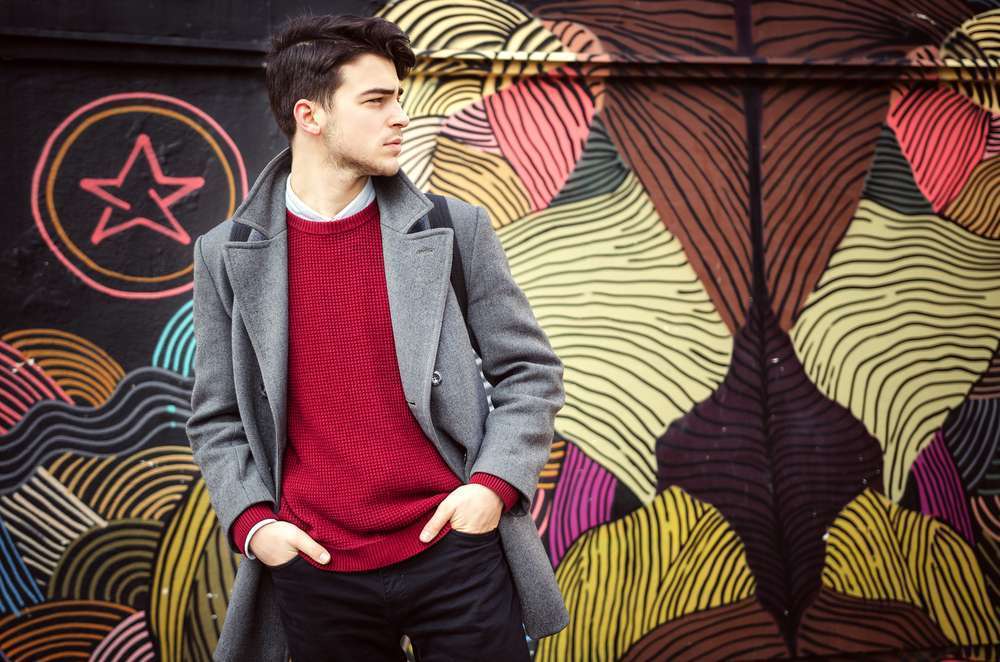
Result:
308,116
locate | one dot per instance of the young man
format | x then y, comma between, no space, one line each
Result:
339,416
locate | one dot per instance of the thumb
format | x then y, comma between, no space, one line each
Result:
306,544
441,516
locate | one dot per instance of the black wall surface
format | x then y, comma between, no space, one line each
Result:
59,56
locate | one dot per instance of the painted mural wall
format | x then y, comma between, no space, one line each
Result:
764,238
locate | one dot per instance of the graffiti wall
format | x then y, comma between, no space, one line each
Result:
764,238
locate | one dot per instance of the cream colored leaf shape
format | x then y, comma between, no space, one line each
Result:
640,339
903,321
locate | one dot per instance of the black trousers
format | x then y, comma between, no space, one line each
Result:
455,601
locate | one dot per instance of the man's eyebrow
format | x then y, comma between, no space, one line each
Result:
381,90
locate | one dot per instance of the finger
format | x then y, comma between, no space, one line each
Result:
312,548
441,516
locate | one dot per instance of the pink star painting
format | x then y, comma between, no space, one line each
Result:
171,227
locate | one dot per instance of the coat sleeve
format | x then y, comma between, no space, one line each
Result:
521,365
214,429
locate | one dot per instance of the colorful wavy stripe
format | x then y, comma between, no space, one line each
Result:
693,167
59,629
471,126
111,563
44,518
209,599
582,500
84,371
986,511
494,184
541,505
23,384
150,404
129,640
420,140
599,170
472,25
187,534
988,385
976,208
940,489
972,50
147,484
175,346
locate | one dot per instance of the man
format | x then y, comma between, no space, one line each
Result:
338,414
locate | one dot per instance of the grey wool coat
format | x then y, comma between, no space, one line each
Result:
238,402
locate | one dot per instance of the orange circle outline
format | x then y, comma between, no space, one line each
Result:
60,155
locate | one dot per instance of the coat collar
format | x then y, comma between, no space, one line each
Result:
400,202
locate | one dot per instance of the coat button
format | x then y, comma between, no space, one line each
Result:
435,378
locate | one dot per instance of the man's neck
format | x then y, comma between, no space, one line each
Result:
323,188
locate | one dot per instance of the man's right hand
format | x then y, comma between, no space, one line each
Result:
278,542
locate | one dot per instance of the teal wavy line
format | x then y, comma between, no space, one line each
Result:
175,347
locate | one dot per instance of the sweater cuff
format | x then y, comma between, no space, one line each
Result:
507,492
246,521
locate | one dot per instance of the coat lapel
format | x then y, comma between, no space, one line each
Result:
417,273
258,273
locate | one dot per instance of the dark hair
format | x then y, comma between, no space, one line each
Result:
307,52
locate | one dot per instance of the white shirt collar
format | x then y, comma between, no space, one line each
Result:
302,210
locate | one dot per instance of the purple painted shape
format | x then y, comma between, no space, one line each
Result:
940,488
581,500
778,459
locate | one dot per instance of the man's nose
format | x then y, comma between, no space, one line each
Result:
401,118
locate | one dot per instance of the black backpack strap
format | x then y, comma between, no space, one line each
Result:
438,217
239,232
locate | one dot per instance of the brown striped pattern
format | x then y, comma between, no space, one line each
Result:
852,28
838,623
741,630
686,142
810,185
651,28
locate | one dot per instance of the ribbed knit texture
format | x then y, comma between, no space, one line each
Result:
359,474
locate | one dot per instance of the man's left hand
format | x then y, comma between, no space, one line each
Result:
470,508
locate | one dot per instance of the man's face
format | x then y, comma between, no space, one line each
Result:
365,118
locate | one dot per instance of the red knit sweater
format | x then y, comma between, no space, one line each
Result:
359,475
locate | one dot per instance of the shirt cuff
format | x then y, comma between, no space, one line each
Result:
507,492
246,521
253,530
